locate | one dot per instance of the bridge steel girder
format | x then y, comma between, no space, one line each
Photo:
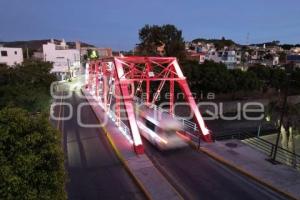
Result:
126,71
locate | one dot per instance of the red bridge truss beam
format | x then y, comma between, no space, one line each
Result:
125,74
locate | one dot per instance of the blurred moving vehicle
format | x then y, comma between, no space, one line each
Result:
159,128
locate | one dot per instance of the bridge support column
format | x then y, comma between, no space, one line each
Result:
128,103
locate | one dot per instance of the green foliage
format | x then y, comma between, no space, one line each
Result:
291,115
215,77
278,78
272,77
289,46
219,43
154,36
26,86
245,81
31,158
92,54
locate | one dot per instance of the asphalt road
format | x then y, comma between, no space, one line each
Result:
196,176
94,171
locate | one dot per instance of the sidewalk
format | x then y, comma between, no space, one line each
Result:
252,163
151,181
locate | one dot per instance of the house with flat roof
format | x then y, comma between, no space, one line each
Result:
11,56
66,61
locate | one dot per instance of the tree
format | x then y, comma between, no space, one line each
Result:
167,36
92,54
278,78
26,86
282,57
215,77
272,77
245,81
219,43
31,157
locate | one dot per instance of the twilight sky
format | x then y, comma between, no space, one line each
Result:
115,23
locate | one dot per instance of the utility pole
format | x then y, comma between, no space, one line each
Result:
283,110
27,53
69,69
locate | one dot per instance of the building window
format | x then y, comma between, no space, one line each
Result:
16,52
3,53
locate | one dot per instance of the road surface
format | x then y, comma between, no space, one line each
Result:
196,176
94,171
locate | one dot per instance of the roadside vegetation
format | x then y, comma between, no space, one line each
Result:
216,78
167,40
258,81
31,157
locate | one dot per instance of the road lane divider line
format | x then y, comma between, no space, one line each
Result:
240,170
59,113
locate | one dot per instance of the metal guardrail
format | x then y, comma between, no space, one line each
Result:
283,155
122,126
187,126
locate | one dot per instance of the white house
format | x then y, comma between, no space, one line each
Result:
66,62
214,55
11,56
229,57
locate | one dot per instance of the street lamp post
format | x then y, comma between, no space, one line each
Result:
69,69
283,110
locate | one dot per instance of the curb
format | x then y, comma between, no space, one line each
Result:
123,161
240,170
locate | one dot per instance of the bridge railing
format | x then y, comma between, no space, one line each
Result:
283,155
121,125
188,127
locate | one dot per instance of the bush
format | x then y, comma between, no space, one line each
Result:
31,157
